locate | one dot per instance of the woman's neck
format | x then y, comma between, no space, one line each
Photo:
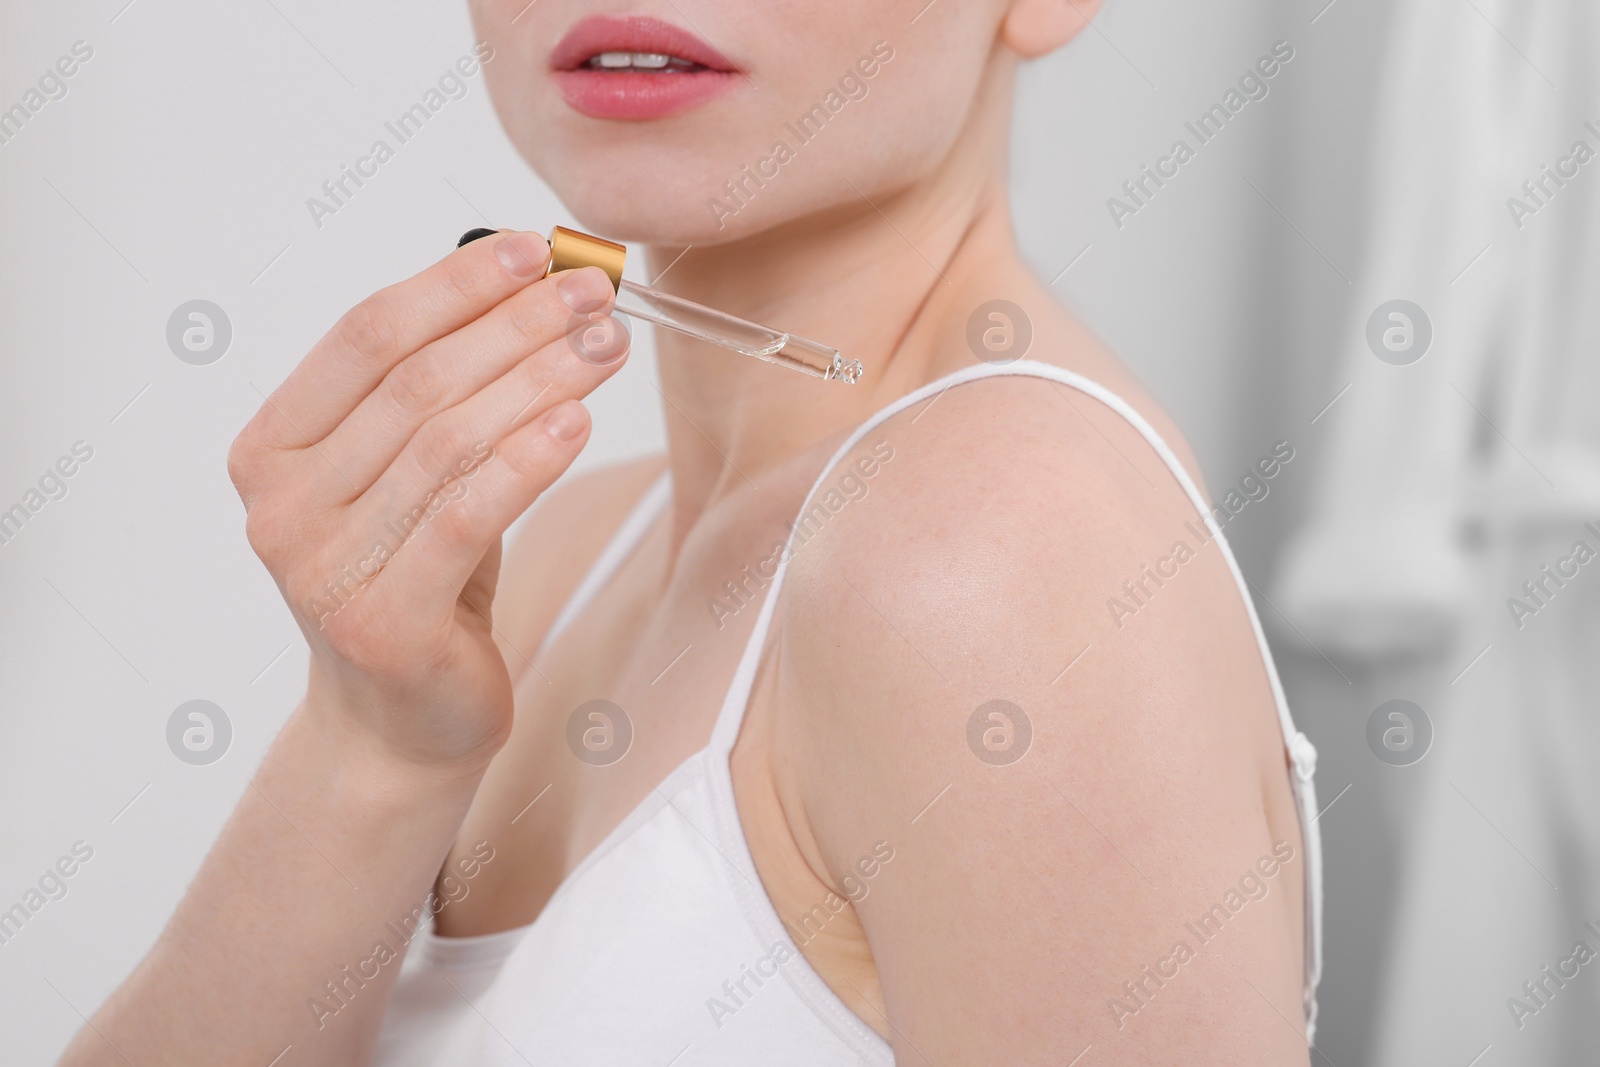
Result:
890,281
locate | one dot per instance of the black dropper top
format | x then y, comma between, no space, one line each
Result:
472,235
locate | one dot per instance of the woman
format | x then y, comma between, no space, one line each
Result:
1003,774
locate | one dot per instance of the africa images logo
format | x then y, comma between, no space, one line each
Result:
851,86
1252,85
451,85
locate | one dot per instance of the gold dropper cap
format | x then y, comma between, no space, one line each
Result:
571,249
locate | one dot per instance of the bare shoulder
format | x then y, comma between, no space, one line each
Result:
1062,782
554,546
1002,494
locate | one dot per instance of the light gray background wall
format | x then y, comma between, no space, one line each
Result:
177,167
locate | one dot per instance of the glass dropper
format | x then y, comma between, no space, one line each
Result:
570,249
762,342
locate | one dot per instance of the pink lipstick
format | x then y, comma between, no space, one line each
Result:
637,68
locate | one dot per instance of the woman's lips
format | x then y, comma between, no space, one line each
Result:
639,95
697,72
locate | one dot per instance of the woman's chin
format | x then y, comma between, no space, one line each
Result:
637,215
644,194
635,226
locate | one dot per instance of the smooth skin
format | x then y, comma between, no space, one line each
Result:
976,567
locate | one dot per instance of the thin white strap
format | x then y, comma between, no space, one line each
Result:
1302,755
621,545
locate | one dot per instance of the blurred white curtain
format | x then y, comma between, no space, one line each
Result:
1451,482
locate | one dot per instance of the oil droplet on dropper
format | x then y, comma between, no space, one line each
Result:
772,348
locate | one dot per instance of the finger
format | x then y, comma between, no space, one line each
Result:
391,324
442,553
438,469
451,369
450,446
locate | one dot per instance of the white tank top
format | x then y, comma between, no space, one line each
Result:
661,949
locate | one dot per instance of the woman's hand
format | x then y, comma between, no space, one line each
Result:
379,478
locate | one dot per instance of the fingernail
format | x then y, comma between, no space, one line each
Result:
585,289
523,254
601,340
566,421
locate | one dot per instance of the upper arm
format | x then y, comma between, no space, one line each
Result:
1042,856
